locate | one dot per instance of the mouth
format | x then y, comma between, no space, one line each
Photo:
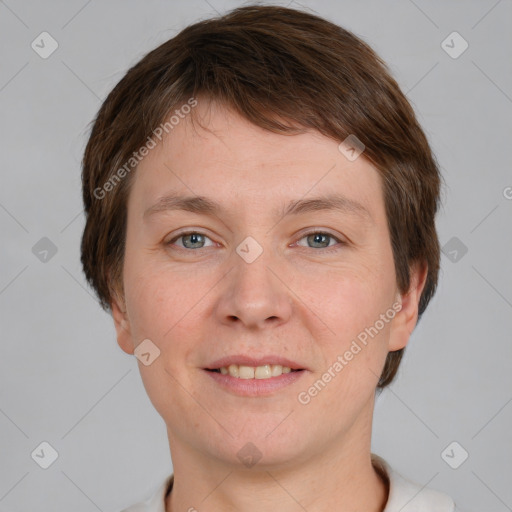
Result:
255,377
266,371
245,367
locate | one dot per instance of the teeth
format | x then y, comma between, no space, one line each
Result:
233,370
245,372
260,372
263,372
276,370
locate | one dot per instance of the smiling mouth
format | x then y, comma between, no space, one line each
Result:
266,371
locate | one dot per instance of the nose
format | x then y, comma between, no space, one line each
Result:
254,295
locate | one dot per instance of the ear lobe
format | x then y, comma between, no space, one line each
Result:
405,320
122,325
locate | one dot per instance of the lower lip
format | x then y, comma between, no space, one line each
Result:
255,387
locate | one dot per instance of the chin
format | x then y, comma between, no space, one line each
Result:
261,450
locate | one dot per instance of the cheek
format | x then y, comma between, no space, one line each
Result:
353,357
351,306
144,302
167,306
348,300
161,309
152,291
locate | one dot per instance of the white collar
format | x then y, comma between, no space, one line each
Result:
404,495
408,496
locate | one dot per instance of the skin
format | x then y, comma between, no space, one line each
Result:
198,300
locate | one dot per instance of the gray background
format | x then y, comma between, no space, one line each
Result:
63,378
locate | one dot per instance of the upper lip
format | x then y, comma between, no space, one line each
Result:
253,361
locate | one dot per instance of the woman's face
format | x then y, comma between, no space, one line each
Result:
292,265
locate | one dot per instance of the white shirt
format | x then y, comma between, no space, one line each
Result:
404,495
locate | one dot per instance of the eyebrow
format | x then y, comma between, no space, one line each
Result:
205,206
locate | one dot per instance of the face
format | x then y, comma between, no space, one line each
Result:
260,271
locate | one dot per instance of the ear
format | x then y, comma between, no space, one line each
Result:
122,324
405,320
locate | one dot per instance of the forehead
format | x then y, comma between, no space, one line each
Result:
222,155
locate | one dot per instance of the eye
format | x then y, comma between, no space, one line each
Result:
191,240
319,239
197,240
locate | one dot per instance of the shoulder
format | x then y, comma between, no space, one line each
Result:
156,502
408,496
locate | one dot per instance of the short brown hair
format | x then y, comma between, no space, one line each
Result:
270,64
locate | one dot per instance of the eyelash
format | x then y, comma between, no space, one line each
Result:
324,249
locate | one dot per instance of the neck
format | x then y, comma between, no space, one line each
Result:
342,478
233,492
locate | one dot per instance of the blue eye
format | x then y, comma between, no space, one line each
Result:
191,240
320,237
197,240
